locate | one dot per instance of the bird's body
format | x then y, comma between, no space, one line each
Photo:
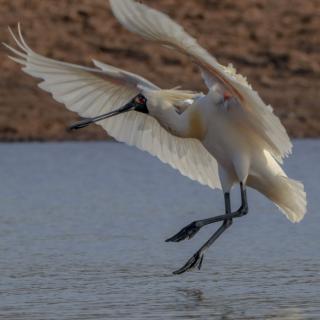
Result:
239,155
224,137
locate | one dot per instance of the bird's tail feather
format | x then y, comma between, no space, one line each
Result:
289,196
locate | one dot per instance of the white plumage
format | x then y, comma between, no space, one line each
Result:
245,136
221,138
156,26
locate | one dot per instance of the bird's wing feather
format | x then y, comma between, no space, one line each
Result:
158,27
91,92
128,78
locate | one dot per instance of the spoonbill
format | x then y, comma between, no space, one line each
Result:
224,137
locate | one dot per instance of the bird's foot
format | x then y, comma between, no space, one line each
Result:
187,232
194,262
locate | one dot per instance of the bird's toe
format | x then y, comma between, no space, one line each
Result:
187,232
194,262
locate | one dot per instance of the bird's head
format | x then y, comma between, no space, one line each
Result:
156,103
138,103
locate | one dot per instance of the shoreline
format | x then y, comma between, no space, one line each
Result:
281,60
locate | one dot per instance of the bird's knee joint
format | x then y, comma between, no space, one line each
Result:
245,210
228,223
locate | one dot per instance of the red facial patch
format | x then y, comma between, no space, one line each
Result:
227,95
140,100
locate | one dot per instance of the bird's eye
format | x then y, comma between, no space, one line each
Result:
140,100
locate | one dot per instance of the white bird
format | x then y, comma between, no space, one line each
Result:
225,137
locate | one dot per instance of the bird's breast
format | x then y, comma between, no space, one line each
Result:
196,127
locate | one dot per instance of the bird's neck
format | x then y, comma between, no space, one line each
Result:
189,124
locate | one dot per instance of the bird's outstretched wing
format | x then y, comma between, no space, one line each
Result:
92,91
158,27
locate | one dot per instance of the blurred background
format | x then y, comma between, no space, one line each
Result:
276,44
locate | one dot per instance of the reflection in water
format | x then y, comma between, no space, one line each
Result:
91,245
195,294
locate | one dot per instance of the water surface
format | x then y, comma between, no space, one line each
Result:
82,230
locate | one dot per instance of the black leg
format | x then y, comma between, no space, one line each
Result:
196,260
190,230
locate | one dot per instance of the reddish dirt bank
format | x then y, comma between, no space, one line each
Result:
276,44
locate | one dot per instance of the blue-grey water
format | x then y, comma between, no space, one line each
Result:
82,230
